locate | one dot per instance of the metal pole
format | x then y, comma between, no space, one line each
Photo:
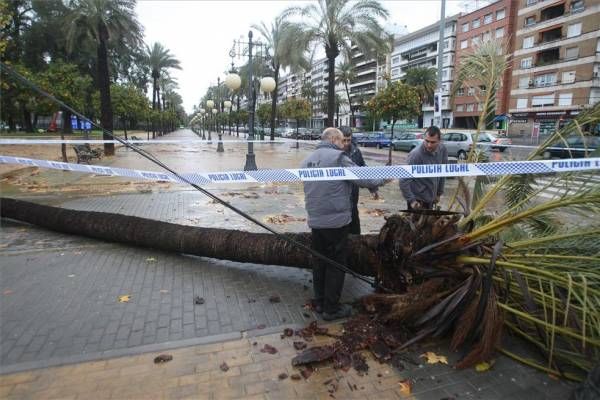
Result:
250,157
440,61
220,148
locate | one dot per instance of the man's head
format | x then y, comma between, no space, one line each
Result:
432,139
347,132
334,136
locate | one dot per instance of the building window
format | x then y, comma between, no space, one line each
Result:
460,108
465,27
445,74
545,80
395,71
568,77
565,99
528,42
530,21
476,40
475,23
487,36
460,92
541,101
445,60
470,107
396,60
571,53
500,14
574,30
522,103
487,19
531,2
526,62
577,6
464,44
500,32
471,91
524,82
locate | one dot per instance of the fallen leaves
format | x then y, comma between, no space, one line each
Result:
125,298
283,219
163,358
7,292
433,358
224,367
198,300
282,376
267,348
275,299
150,259
405,387
483,366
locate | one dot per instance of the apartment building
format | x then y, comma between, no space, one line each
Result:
493,22
420,49
556,71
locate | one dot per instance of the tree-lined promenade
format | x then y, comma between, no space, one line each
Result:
91,55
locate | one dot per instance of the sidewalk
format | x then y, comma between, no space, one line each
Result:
238,369
65,334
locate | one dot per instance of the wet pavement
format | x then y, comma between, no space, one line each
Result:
61,297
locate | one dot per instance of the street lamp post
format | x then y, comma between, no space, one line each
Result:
233,82
209,106
202,122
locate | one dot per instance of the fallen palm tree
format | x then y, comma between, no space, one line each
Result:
226,244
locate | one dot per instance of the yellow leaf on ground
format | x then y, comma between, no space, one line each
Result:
483,366
433,358
151,259
405,387
124,298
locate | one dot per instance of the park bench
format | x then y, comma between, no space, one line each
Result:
85,153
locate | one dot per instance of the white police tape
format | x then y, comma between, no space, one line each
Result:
327,174
134,141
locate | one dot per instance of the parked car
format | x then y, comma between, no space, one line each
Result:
315,133
378,139
407,141
573,147
499,141
459,144
287,132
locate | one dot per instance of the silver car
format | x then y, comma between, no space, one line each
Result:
459,144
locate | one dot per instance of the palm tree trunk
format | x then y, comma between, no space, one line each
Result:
227,244
274,96
331,52
106,112
352,121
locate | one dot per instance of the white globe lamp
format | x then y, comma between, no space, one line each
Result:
267,84
233,81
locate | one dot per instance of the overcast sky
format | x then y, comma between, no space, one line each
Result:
200,33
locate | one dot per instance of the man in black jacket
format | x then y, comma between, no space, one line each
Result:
353,152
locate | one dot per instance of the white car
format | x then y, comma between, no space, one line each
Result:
459,144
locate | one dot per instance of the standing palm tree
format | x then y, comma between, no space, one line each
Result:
103,22
280,38
159,59
338,24
424,80
346,75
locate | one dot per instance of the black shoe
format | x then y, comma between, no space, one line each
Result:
343,311
317,306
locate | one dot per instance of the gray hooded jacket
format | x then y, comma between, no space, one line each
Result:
328,202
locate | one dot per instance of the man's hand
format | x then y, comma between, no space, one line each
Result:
437,198
415,204
375,195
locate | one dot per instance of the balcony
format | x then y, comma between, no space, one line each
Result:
551,35
552,12
547,57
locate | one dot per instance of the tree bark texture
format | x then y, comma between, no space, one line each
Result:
226,244
106,112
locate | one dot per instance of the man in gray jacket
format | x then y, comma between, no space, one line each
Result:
425,192
329,209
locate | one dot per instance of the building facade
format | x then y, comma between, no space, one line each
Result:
420,49
556,64
496,21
